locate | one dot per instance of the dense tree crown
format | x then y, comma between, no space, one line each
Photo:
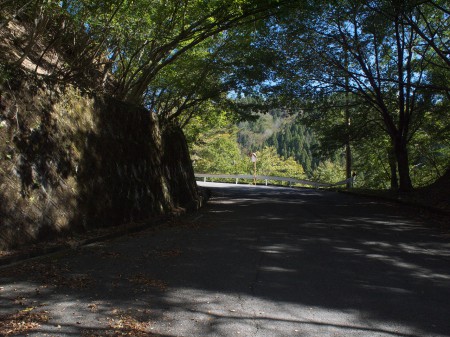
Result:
330,82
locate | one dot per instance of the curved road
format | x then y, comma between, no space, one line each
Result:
256,261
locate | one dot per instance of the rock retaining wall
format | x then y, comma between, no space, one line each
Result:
70,161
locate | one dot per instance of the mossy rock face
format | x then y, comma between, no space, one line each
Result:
70,161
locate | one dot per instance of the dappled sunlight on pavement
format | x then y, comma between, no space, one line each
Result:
254,262
215,314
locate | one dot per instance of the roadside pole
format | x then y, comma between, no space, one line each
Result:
254,158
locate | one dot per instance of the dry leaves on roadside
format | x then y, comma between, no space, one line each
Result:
20,300
122,324
22,321
148,282
57,275
93,307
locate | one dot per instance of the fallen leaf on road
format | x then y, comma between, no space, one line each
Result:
122,324
93,307
22,321
148,281
20,300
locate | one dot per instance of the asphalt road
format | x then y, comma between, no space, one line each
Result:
256,261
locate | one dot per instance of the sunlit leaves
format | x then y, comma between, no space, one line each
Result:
272,164
217,153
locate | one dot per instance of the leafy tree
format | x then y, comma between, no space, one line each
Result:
217,152
329,172
194,62
135,39
272,164
148,35
357,47
429,19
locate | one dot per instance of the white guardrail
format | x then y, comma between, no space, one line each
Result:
267,178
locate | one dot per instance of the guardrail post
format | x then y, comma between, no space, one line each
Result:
204,179
237,181
266,182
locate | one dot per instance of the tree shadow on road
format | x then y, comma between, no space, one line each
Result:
266,262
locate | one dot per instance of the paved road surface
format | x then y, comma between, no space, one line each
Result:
257,261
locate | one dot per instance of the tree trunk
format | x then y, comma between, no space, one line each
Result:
348,151
401,154
393,167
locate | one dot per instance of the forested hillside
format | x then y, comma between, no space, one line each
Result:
282,131
284,148
298,142
219,150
